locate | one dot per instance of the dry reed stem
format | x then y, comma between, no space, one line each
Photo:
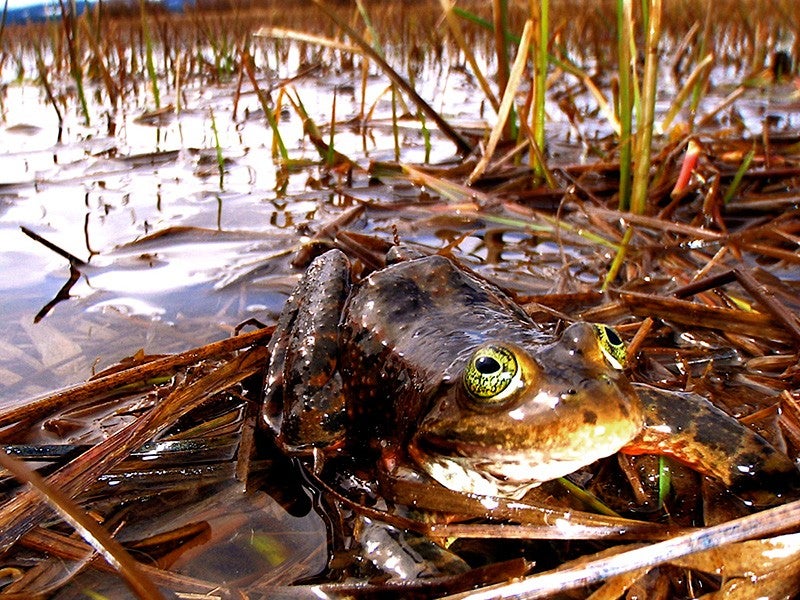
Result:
542,585
509,94
77,394
89,529
23,511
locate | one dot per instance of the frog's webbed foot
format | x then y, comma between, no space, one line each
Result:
688,428
303,400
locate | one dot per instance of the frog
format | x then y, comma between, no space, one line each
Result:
429,363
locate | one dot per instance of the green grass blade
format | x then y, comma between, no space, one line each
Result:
540,84
664,480
737,179
376,40
218,149
624,35
247,63
587,498
426,136
619,259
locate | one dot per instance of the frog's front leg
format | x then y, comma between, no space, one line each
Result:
303,399
687,427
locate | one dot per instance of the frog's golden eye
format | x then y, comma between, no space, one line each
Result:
611,345
492,374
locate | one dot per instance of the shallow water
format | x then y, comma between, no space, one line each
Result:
100,192
99,197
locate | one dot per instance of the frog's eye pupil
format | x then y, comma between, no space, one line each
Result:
486,365
492,375
611,345
613,337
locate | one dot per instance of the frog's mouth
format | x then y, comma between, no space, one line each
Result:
476,469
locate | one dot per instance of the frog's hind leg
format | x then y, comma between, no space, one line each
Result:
303,400
688,428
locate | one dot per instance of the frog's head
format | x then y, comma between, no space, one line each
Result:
515,416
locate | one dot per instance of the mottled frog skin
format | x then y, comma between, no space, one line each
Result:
426,360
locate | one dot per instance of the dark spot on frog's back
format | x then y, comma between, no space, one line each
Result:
406,299
589,417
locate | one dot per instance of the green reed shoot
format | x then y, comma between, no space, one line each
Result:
218,149
664,480
540,81
426,136
644,134
395,128
625,109
619,259
561,63
737,178
224,56
373,34
249,68
149,62
588,499
330,154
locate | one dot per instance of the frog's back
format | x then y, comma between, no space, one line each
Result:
408,326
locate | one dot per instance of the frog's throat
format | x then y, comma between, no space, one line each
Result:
507,476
